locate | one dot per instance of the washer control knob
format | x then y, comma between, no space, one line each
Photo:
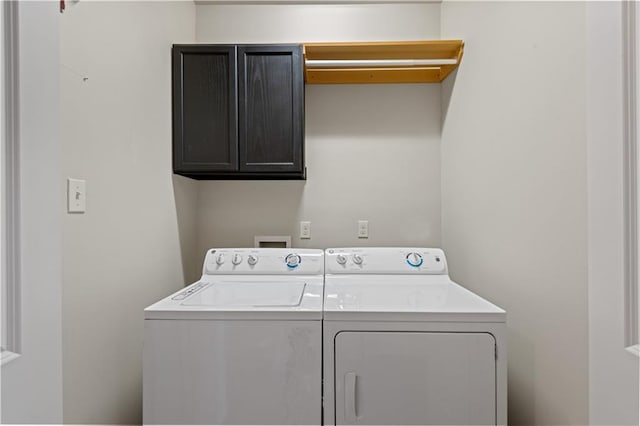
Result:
220,259
357,259
292,260
341,259
415,260
236,259
252,259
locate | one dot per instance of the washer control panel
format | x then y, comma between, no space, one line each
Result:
263,261
385,260
189,291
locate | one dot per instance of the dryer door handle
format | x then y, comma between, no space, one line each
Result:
350,389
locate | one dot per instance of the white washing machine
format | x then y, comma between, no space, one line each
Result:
243,345
403,344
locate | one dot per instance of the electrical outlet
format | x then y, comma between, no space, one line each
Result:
76,195
363,229
305,230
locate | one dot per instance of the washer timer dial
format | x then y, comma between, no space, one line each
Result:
292,260
415,259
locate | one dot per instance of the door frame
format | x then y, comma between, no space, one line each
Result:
630,80
10,180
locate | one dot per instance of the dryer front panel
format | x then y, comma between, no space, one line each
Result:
426,378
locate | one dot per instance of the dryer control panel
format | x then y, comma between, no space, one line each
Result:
385,260
263,261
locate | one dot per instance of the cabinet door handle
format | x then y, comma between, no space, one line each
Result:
350,383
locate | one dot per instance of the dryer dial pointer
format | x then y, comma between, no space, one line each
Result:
293,260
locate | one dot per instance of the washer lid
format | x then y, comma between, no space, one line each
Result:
244,298
248,294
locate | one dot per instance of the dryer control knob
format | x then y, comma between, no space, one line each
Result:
220,259
341,259
252,259
292,260
357,259
236,259
415,260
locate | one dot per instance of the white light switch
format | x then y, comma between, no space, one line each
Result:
76,195
305,230
363,229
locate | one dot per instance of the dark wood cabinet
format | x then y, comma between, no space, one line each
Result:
205,123
238,111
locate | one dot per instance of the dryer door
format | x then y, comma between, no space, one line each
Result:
425,378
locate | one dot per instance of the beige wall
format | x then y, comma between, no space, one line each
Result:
132,245
372,151
514,187
299,23
499,151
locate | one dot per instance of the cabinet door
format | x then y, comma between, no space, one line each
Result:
410,378
271,108
205,121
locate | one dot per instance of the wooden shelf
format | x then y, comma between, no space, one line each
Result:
381,62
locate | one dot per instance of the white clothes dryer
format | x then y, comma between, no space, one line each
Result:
243,345
404,345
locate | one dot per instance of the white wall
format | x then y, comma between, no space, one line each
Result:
613,372
299,23
514,185
372,151
32,384
510,140
135,241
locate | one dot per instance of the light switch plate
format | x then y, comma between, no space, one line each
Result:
305,230
76,195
